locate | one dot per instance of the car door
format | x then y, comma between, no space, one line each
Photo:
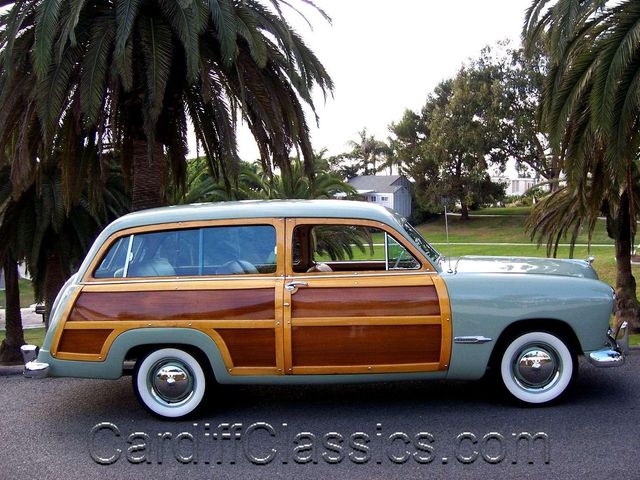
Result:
358,298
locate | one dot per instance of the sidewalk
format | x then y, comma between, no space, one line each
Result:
30,319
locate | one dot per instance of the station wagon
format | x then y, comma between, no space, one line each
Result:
315,291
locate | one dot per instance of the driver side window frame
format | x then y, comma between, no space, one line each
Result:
390,233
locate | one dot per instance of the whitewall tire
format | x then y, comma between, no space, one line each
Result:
537,367
169,382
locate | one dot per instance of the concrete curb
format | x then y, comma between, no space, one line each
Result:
10,370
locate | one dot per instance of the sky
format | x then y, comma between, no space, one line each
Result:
387,56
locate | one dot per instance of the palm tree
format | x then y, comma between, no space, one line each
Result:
131,74
591,107
254,183
368,152
37,227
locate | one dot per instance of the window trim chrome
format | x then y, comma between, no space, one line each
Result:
128,258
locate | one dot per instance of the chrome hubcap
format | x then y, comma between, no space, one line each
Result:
171,382
536,367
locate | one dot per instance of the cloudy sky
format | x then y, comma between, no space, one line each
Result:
385,56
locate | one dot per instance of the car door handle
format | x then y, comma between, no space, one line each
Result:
293,286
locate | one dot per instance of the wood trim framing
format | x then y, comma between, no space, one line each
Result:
284,321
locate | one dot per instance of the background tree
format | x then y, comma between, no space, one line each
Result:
255,184
523,138
448,147
464,136
366,157
131,74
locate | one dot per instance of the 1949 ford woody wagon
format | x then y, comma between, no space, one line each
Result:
314,291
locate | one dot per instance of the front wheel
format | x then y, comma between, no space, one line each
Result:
537,367
169,382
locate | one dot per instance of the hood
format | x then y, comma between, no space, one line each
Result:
535,265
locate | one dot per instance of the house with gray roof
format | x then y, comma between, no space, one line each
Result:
393,191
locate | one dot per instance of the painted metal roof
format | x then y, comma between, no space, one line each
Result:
255,209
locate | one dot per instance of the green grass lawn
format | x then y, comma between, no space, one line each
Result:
502,229
502,211
26,294
505,229
34,336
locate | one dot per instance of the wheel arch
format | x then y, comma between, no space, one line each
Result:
135,344
138,352
554,326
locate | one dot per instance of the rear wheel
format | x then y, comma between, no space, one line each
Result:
169,382
537,367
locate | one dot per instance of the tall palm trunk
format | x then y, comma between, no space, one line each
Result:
620,230
55,278
10,347
150,175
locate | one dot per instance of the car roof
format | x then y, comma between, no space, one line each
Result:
256,209
249,209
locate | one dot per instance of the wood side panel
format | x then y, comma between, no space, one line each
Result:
250,348
365,345
366,301
89,341
247,304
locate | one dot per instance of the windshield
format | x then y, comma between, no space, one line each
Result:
427,249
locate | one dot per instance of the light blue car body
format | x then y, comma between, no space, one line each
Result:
487,296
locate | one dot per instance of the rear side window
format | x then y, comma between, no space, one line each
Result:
227,250
112,264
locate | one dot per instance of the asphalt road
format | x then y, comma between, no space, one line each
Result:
45,431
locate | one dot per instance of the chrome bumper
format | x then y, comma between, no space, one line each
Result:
33,368
615,354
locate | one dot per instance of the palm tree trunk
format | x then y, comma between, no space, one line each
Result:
53,282
150,175
10,347
627,302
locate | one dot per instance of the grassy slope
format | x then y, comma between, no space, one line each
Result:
505,229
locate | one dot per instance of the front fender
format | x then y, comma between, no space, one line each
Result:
486,304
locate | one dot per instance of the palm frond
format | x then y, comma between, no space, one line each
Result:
45,27
157,52
94,69
187,25
223,16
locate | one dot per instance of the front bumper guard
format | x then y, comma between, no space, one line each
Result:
614,355
33,368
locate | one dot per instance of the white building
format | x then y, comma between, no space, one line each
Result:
393,191
515,185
